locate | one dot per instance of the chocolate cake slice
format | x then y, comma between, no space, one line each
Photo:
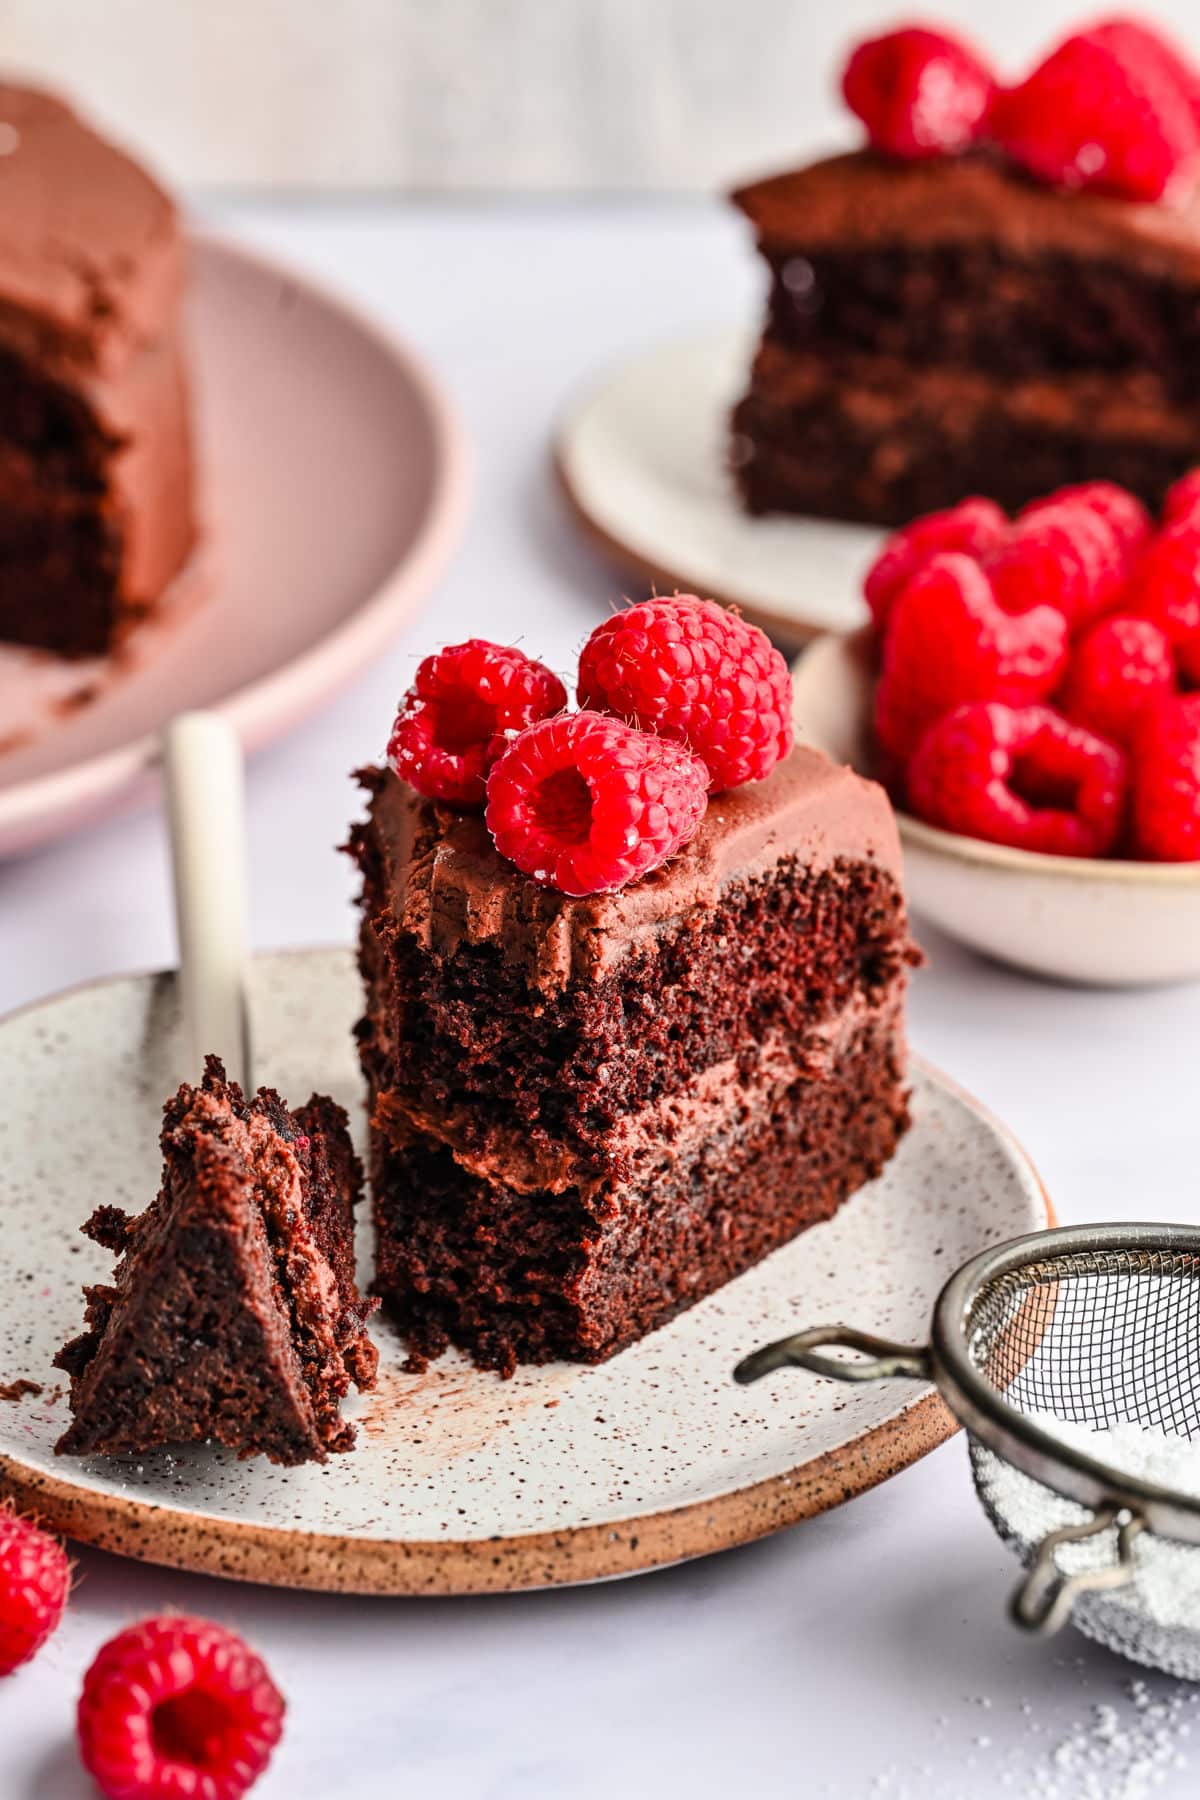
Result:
234,1314
95,456
946,327
588,1113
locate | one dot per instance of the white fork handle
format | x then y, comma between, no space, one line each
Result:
206,805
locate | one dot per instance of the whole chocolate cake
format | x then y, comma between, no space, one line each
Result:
95,459
1001,300
233,1315
589,1112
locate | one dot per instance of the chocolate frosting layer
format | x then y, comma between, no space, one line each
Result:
89,243
879,392
448,885
864,198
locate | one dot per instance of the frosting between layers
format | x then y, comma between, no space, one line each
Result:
672,1128
880,392
449,886
863,198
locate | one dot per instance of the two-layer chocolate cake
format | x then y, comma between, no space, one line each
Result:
233,1315
1002,316
587,1113
96,508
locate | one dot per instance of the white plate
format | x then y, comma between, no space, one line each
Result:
642,455
463,1482
332,487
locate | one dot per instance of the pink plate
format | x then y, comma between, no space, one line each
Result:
333,484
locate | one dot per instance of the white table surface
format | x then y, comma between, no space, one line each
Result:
863,1654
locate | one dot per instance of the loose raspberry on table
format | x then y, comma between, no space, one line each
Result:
1021,776
1164,584
35,1578
692,671
1116,670
1101,112
1166,781
176,1707
585,804
459,713
949,641
1182,502
1062,552
974,526
918,92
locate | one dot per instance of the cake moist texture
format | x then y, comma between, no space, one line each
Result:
95,457
946,327
233,1314
588,1113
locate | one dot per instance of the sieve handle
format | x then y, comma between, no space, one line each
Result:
885,1360
1043,1601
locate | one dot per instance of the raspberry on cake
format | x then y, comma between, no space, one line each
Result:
1013,313
590,1110
233,1315
694,672
462,709
96,511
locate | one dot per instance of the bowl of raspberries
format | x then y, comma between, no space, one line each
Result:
1028,690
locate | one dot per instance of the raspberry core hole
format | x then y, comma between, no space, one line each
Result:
1043,789
562,807
191,1728
461,723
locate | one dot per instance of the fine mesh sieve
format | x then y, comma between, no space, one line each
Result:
1035,1346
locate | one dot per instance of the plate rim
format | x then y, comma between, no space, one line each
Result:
41,809
789,628
278,1556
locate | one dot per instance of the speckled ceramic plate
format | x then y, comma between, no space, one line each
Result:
462,1482
642,457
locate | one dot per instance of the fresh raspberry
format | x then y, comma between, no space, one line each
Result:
1187,664
1021,776
1166,781
584,804
1182,501
177,1709
691,671
456,718
1165,582
918,92
974,526
1121,511
949,642
35,1578
1102,112
1134,38
1062,552
1116,670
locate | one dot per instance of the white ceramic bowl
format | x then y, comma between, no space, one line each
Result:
1071,918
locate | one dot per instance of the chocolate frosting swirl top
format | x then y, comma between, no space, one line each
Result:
865,198
449,885
90,254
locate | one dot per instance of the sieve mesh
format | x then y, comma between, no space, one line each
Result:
1097,1338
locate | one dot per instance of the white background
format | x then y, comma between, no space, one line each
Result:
862,1654
488,94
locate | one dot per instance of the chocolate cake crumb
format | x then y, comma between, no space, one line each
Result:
16,1390
233,1315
